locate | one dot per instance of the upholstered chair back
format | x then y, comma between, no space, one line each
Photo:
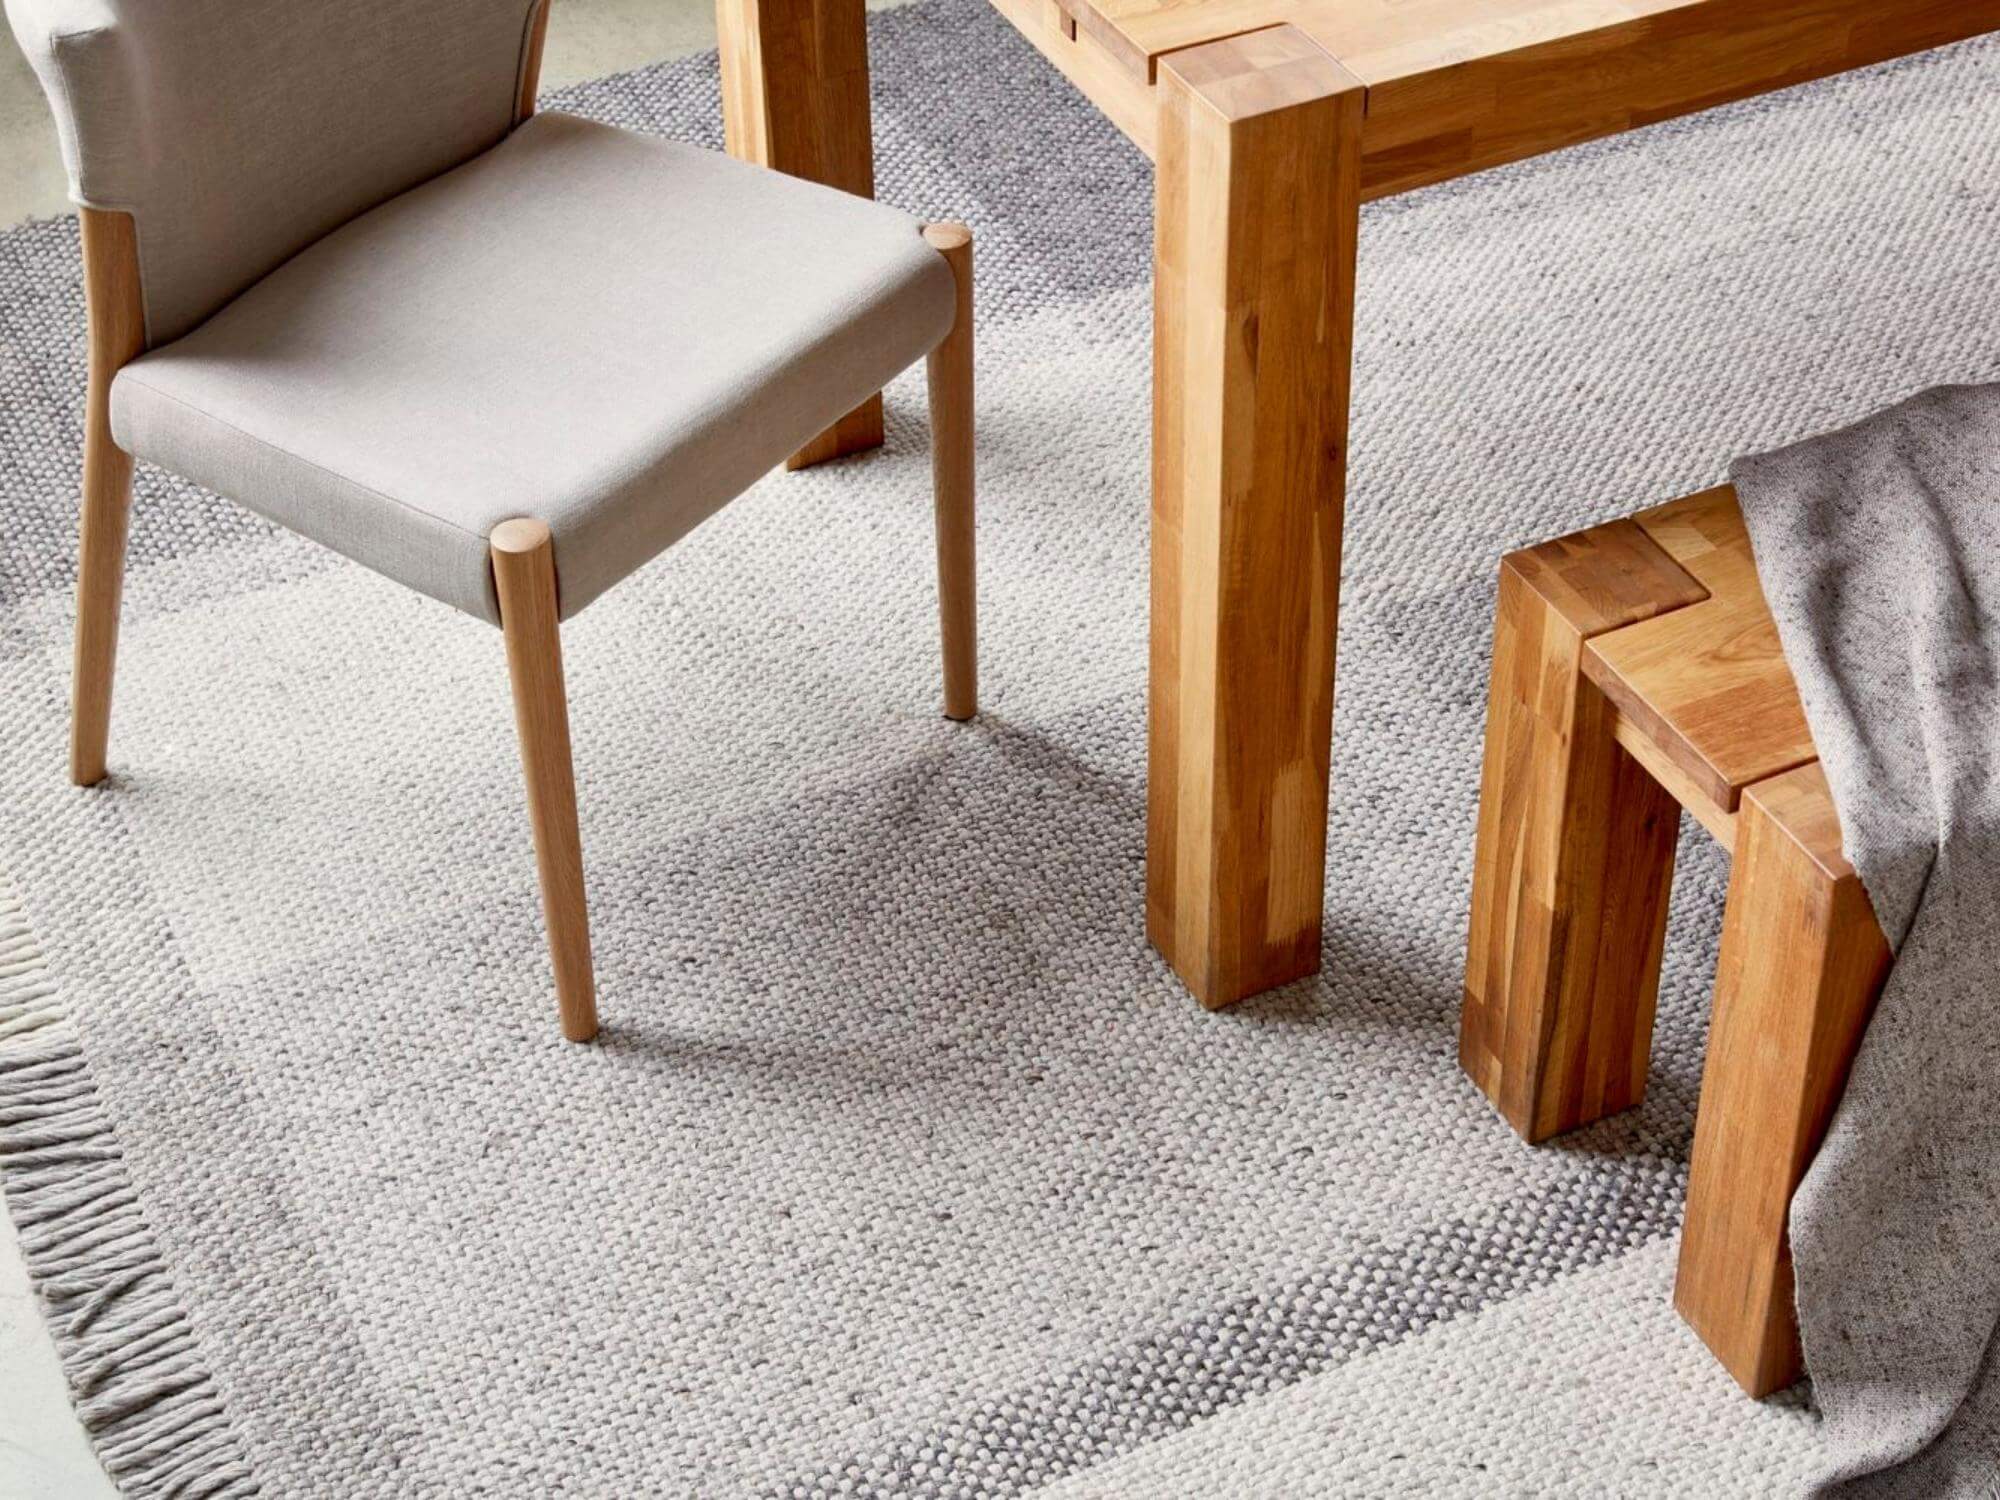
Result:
237,132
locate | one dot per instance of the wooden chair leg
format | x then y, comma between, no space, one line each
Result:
1575,847
117,334
795,99
1257,216
950,371
525,576
1801,965
531,63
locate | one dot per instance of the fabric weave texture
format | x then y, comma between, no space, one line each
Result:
235,141
1879,548
611,333
902,1166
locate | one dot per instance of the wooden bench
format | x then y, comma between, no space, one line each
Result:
1636,672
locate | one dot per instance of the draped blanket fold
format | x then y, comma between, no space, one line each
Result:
1879,549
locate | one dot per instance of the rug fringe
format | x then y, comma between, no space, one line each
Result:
135,1376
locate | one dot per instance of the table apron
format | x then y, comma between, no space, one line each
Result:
1433,117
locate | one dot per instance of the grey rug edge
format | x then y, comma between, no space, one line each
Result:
46,1078
133,1368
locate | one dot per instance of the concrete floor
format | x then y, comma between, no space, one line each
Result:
43,1452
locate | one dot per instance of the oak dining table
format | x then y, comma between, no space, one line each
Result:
1270,122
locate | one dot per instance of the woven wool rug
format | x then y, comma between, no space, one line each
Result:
903,1166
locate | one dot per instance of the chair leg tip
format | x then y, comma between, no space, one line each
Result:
578,1021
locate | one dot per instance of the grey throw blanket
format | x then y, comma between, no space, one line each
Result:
1879,549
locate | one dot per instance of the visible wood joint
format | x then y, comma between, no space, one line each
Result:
1257,215
1575,846
1801,965
1619,653
1263,72
1707,684
1086,21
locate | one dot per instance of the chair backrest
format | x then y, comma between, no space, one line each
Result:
237,132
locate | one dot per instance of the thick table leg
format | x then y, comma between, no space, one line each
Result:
1575,851
795,98
1802,962
1257,211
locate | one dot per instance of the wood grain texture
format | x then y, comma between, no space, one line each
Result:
524,575
1801,965
1575,845
1643,748
953,480
1455,86
1500,80
1256,219
795,99
531,62
116,335
1623,656
1123,96
1708,684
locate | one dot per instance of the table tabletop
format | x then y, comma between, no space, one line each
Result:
1455,86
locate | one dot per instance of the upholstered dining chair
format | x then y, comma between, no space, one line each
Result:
338,270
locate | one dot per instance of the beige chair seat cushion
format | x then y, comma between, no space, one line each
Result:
613,333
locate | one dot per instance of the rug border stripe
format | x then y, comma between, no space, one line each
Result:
133,1367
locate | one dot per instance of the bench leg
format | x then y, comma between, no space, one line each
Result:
795,99
1802,962
1575,849
1257,216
